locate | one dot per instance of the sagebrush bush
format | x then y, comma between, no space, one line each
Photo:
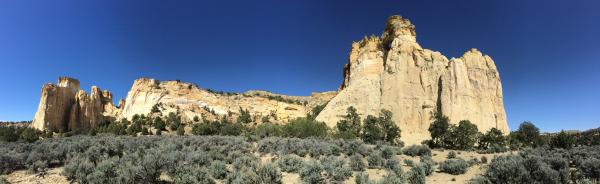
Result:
357,163
416,175
311,173
375,160
290,163
454,166
428,164
362,178
336,169
269,174
218,169
507,169
393,165
590,168
243,176
417,150
191,175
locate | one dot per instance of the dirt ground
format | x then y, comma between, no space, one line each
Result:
53,176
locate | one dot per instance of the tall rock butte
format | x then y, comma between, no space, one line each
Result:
393,72
64,107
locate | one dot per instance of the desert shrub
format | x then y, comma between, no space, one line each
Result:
78,168
311,173
8,134
244,176
362,178
217,169
484,159
479,180
304,128
417,150
409,162
267,130
269,174
454,166
29,134
392,178
388,152
590,168
357,163
507,169
416,175
191,175
354,146
244,161
105,172
393,165
427,164
375,160
336,169
290,163
451,155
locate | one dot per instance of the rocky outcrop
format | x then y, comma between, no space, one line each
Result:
190,101
393,72
64,107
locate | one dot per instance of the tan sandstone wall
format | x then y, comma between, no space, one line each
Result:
393,72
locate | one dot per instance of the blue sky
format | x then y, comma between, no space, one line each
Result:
548,52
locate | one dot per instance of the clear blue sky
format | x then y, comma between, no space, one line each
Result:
548,52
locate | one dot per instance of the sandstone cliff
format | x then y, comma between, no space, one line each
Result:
64,107
393,72
191,101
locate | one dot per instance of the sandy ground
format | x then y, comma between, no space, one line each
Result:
53,176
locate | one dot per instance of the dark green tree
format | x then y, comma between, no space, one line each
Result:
159,124
562,140
464,135
196,119
350,125
390,129
173,120
372,131
438,128
492,136
527,135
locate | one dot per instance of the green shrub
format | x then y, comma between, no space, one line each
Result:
590,168
304,128
454,166
290,163
375,160
357,163
30,135
427,164
507,169
409,162
269,174
267,130
416,175
311,173
244,176
451,155
388,152
336,169
362,178
8,134
218,169
393,165
484,159
479,180
192,175
417,150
